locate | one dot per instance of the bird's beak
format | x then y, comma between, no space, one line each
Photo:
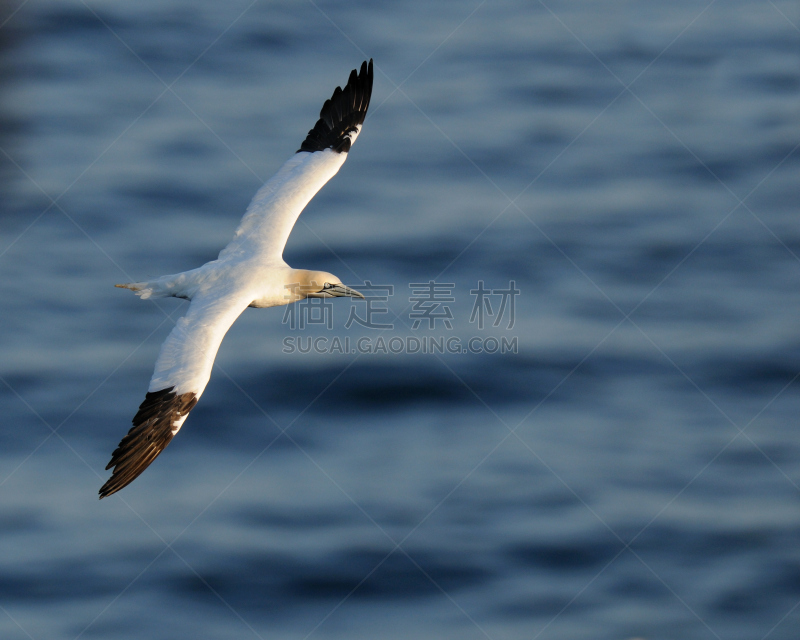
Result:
340,291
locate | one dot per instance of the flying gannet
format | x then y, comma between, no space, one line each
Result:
249,272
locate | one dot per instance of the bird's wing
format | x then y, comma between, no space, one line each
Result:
181,374
273,211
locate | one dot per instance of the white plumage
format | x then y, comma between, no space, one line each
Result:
250,271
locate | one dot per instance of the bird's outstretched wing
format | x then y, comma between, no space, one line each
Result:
181,374
275,208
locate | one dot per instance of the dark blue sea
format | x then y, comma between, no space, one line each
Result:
572,409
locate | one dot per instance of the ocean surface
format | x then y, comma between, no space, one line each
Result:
595,205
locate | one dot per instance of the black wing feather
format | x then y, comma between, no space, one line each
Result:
340,115
150,434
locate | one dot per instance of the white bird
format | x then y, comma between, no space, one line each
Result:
249,272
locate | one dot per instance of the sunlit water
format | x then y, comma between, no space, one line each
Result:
631,471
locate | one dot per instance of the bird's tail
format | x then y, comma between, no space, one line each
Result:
177,285
144,290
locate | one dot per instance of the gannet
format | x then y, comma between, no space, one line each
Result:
249,272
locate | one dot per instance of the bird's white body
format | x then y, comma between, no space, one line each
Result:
249,272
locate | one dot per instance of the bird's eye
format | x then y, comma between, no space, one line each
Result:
327,285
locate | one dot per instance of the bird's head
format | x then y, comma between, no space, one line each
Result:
319,284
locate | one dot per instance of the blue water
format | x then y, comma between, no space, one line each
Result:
631,471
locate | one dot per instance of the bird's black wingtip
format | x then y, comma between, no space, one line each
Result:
342,114
152,431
